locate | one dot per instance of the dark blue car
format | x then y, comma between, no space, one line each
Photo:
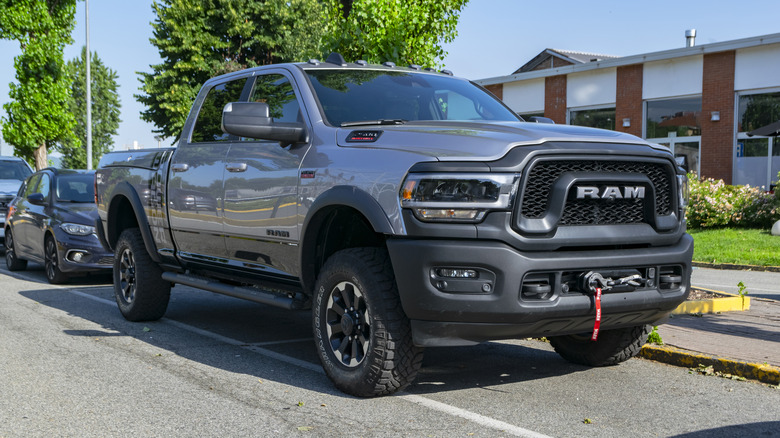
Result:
51,221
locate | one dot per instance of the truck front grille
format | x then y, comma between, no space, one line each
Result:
544,173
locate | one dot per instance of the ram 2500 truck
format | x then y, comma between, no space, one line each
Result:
406,208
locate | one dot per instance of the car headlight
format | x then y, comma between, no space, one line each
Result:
77,229
457,197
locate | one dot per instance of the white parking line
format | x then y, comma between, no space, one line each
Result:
411,398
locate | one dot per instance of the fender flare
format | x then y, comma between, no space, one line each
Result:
337,196
126,190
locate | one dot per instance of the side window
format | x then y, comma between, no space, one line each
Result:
277,91
208,125
44,187
32,184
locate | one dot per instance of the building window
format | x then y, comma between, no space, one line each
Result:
757,110
595,118
757,158
681,116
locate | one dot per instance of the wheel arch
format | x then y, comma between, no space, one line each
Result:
125,210
342,217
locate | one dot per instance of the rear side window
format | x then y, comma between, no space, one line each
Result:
208,125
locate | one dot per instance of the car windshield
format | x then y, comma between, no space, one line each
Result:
357,97
79,187
14,170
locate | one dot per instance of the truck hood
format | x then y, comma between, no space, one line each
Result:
484,141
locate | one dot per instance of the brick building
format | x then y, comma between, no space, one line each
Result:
700,100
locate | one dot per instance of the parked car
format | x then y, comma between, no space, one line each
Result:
51,221
13,171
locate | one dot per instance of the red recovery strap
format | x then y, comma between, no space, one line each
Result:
597,324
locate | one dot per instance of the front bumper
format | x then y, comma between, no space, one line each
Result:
463,311
93,257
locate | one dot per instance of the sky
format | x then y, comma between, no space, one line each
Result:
495,37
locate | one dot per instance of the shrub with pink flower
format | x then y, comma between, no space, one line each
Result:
715,204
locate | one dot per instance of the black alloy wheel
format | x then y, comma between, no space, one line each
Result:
52,262
13,262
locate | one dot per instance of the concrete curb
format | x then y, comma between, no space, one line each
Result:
731,266
689,359
726,303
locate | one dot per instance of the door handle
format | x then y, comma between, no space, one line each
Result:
235,167
180,167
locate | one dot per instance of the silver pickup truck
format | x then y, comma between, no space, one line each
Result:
406,208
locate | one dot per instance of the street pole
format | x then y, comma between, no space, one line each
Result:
89,94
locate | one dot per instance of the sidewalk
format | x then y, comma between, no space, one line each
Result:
742,343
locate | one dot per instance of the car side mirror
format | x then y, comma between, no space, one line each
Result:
252,120
537,119
36,198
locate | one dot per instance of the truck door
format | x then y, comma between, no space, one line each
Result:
261,186
196,176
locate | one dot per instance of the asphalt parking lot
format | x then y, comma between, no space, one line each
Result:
220,366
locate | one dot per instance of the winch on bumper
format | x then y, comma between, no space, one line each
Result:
465,292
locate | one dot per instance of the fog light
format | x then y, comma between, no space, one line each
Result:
77,256
456,273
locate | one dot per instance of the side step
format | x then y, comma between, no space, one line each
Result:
246,293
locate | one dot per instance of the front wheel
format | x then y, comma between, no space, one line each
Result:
51,260
611,348
363,337
140,291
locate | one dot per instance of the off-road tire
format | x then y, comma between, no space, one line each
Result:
51,262
13,262
611,348
358,284
140,291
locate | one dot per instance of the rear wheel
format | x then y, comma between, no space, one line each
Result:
13,262
611,348
363,337
140,291
51,263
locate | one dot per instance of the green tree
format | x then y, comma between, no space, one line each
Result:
199,39
401,31
38,116
105,111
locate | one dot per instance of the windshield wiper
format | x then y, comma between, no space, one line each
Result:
375,122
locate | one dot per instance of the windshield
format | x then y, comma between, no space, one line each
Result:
78,187
348,97
14,170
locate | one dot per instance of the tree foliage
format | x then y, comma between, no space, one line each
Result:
402,31
105,111
38,116
199,39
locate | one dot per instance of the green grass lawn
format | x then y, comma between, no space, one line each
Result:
736,245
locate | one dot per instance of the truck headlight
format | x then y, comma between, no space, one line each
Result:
684,194
77,229
457,197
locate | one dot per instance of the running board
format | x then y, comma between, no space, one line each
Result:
245,293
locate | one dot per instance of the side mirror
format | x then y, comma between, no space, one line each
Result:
36,198
252,120
537,119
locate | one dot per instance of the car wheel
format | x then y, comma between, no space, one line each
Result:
611,348
51,261
140,291
362,335
13,262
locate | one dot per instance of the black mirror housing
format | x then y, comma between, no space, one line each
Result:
36,198
252,120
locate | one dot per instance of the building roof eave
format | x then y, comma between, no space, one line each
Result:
637,59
